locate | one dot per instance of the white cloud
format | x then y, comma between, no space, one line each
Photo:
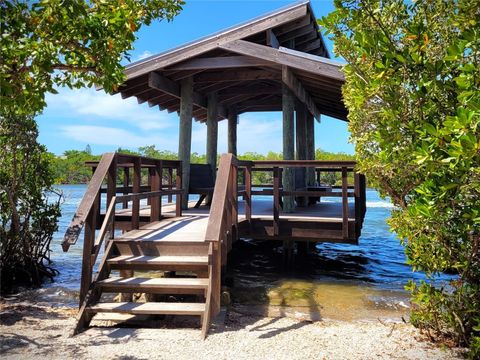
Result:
102,135
143,55
99,105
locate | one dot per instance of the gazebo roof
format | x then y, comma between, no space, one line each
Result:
245,66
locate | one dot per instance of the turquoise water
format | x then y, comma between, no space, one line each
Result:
378,262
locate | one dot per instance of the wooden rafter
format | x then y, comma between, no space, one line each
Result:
164,84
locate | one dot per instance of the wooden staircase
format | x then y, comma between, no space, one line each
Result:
190,261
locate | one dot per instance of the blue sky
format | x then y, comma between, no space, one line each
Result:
75,118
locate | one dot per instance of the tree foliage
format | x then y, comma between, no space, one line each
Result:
28,219
72,43
412,90
70,168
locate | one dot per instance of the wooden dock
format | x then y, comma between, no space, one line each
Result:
145,229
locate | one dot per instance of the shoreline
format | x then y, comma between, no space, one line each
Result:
30,330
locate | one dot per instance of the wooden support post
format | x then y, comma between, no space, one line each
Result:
310,137
126,184
178,197
212,135
88,242
232,132
234,204
98,200
137,178
288,147
111,181
185,134
156,184
301,150
170,183
344,203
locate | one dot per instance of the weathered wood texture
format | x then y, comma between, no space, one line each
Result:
288,102
310,147
185,134
212,133
252,53
264,23
232,132
301,149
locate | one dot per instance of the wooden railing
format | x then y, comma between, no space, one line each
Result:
222,226
221,230
276,189
89,213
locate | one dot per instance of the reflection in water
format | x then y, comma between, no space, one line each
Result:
335,280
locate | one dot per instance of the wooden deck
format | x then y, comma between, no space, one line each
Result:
192,225
146,229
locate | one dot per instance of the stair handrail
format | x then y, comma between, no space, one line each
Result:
88,201
221,229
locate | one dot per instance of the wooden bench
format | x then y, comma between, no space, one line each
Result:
202,182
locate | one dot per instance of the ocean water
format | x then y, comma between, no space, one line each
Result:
332,276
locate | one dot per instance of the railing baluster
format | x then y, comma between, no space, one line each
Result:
126,184
156,202
276,201
111,181
345,209
178,197
248,193
137,174
170,184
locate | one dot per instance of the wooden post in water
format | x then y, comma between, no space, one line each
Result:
212,135
288,106
232,132
301,149
185,134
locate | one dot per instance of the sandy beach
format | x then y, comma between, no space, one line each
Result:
35,331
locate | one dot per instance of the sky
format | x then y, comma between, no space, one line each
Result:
75,118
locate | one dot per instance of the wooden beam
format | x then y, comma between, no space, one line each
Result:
305,38
185,134
272,40
288,106
236,75
224,62
164,84
135,90
290,80
295,59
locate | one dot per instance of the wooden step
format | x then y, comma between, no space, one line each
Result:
160,247
154,285
164,262
149,308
